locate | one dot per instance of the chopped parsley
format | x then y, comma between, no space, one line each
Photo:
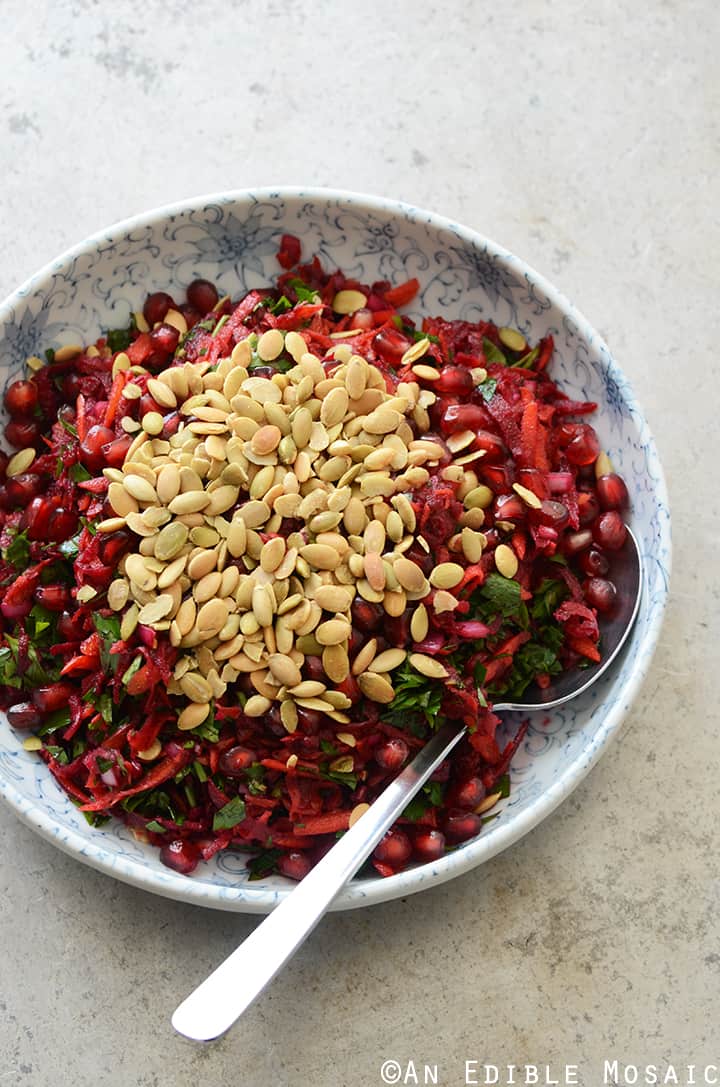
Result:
493,353
119,339
230,815
417,701
17,553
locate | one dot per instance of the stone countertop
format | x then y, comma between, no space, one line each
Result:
584,137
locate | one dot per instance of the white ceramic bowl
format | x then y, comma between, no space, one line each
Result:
232,240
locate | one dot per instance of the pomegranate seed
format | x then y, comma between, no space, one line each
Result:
612,492
442,774
91,447
588,507
62,525
456,380
492,444
509,508
67,629
115,452
4,459
156,306
559,482
600,593
456,417
392,754
594,563
113,546
535,481
583,447
575,542
191,315
496,476
181,856
71,387
37,517
171,424
310,721
391,345
314,669
140,349
609,531
367,617
553,513
469,794
294,865
53,597
22,433
461,825
203,295
148,403
23,488
397,629
350,689
362,318
165,338
21,398
236,760
394,849
54,697
24,715
429,845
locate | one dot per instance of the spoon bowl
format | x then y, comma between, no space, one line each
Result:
221,999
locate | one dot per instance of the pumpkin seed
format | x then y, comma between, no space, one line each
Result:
376,687
446,575
193,715
427,666
506,561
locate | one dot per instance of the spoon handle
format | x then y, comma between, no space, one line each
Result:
219,1000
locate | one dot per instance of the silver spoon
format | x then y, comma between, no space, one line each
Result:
216,1003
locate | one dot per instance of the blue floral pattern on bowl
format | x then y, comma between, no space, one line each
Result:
232,240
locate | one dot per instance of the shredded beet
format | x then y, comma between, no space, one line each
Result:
510,505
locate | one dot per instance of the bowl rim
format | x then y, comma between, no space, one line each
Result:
471,854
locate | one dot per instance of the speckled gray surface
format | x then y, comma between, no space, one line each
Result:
585,138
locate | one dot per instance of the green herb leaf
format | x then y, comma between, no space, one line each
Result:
119,339
263,864
282,305
70,549
417,700
79,473
487,388
230,815
108,627
500,596
527,361
303,291
50,355
155,827
68,427
17,553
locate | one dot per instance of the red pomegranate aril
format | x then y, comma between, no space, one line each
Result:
508,507
310,721
456,417
235,761
22,433
612,492
148,403
391,345
395,849
113,546
62,525
461,825
181,856
53,597
492,444
24,715
67,630
594,563
469,794
362,318
350,689
191,315
575,542
397,629
91,447
294,865
584,447
54,697
392,754
588,507
115,452
37,517
600,593
559,482
171,424
496,476
313,669
23,488
535,481
21,398
609,531
367,617
428,845
156,307
203,295
553,513
455,380
165,338
71,388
